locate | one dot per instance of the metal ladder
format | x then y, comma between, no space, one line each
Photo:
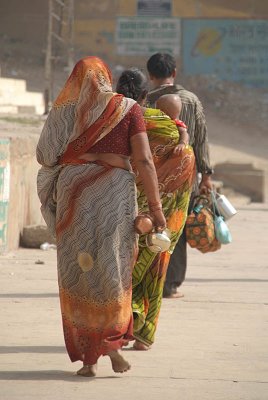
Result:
60,38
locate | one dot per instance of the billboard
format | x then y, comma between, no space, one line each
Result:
146,35
230,49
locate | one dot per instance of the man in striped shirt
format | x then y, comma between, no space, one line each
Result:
162,72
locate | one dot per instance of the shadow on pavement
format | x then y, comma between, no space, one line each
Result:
32,349
51,375
28,295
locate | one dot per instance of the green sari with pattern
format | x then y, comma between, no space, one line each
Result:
176,174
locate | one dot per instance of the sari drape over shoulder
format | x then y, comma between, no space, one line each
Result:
176,174
90,207
85,111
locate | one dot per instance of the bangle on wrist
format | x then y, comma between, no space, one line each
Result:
154,203
154,206
152,210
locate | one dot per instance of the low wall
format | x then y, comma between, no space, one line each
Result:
19,196
244,178
15,98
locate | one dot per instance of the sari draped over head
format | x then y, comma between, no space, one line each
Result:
176,175
84,112
91,208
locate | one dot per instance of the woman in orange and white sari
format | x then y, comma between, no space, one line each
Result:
88,200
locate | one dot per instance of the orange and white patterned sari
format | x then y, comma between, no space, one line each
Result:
91,208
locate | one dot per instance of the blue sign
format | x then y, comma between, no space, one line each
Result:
230,49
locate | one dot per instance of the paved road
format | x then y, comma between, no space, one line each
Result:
211,345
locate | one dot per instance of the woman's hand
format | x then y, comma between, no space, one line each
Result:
159,220
205,185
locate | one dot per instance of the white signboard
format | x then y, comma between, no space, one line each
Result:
148,35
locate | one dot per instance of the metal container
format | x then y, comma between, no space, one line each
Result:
225,208
158,242
143,224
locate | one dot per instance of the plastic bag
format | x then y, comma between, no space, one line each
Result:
222,232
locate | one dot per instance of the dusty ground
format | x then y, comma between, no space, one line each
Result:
210,345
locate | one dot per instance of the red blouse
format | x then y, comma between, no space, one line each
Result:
118,140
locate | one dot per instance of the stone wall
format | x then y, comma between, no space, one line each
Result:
23,204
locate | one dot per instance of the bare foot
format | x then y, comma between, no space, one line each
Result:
88,371
140,346
119,364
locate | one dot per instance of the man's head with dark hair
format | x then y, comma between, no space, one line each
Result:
161,66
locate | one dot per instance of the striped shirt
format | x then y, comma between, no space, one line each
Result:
192,115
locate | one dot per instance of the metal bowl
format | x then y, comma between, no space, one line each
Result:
158,242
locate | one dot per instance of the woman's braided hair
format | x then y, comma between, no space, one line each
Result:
132,83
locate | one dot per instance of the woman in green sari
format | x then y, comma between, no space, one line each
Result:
175,167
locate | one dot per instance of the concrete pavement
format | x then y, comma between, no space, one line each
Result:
210,345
